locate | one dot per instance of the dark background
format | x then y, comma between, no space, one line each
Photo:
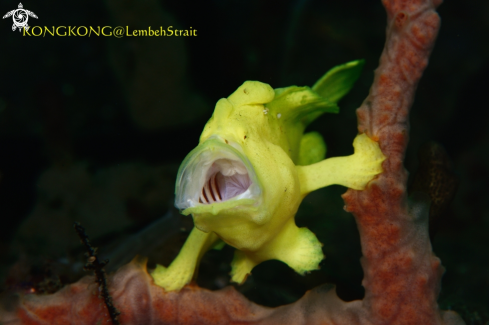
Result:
93,129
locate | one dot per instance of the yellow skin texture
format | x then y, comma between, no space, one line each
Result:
267,128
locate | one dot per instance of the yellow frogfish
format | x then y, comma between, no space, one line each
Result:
253,166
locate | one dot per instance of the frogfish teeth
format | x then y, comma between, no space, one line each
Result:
253,166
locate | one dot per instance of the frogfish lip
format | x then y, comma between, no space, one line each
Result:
216,176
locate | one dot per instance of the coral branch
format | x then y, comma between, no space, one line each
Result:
402,275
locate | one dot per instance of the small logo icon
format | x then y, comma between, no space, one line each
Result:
20,17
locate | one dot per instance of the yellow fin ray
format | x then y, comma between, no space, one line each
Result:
353,171
312,149
297,247
182,269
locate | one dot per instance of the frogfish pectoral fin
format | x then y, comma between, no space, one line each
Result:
241,266
297,247
184,266
312,149
353,171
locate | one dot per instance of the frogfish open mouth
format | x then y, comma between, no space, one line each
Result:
215,172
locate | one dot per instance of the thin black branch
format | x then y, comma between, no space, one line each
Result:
94,264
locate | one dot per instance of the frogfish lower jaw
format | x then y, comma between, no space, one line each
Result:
215,173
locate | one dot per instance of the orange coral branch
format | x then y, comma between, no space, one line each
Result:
402,275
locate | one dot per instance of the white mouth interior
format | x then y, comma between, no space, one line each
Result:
215,172
225,179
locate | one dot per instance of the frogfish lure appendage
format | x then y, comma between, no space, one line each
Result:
253,166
